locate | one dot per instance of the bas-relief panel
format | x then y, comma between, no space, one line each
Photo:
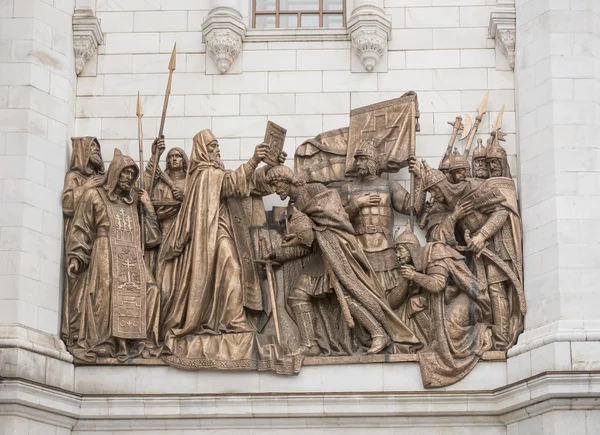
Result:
183,266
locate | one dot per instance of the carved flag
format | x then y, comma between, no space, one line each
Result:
391,125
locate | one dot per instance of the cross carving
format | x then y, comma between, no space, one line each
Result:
381,133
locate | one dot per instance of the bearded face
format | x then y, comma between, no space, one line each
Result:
403,254
459,175
366,166
126,179
95,155
495,167
437,195
480,168
282,188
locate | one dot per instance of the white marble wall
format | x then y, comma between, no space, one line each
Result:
37,107
558,47
438,48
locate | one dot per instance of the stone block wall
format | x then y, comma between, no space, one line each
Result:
439,49
37,111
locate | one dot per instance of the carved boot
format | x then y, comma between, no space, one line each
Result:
380,339
500,314
304,320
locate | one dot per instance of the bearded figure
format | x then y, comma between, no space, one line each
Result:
321,226
370,202
480,168
207,272
459,168
445,309
496,158
120,300
485,217
86,171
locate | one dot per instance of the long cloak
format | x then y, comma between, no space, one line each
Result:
91,242
73,190
208,275
347,262
458,333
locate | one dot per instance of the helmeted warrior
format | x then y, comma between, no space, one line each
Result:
339,265
480,168
496,158
370,202
459,167
487,211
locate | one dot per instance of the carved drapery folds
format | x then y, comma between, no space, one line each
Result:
87,35
196,274
502,28
223,31
369,30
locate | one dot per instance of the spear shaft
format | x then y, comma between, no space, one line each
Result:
139,113
481,110
172,66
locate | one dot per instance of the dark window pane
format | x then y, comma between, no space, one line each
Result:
333,5
299,5
309,20
288,21
333,21
265,5
265,21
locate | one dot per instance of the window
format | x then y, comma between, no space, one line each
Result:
305,14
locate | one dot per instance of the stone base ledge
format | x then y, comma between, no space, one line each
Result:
485,408
572,330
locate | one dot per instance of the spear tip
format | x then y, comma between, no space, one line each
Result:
483,106
139,111
173,61
498,123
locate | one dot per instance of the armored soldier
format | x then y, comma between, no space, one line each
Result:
459,167
480,168
488,210
321,226
370,202
496,159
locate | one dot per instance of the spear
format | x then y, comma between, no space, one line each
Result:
172,66
139,113
496,133
481,110
457,125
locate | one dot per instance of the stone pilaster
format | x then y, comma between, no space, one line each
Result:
502,28
369,29
559,127
87,35
223,32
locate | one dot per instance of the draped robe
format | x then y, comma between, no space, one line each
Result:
93,243
207,273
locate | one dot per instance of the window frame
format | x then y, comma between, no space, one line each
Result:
277,12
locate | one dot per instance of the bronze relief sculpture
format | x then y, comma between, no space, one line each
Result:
194,273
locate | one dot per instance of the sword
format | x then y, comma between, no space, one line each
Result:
503,266
268,264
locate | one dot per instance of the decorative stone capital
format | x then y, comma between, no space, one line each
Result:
502,28
223,31
87,35
369,30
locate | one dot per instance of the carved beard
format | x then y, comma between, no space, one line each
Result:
96,160
217,162
371,169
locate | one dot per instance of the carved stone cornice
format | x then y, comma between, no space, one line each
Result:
369,30
502,28
223,31
87,35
